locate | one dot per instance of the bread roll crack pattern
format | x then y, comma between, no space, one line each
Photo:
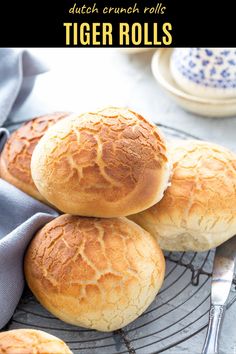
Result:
198,211
95,273
16,156
109,163
31,341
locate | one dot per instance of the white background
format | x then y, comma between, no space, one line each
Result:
86,79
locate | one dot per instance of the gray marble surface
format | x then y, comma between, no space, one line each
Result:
86,79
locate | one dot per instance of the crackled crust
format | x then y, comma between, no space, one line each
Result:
198,211
15,159
95,273
109,163
31,341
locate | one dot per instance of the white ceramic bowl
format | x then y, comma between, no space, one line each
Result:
205,72
204,106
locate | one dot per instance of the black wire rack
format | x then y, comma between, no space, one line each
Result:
179,312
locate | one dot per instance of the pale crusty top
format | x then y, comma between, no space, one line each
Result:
15,159
96,273
198,210
108,163
30,341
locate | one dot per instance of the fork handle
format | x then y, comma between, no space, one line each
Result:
216,315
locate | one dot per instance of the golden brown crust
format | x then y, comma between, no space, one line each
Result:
30,341
15,159
109,163
95,273
198,210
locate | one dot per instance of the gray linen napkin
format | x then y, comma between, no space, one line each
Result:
18,70
14,239
20,215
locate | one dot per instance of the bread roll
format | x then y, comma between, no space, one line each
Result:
105,164
94,273
198,211
16,156
31,341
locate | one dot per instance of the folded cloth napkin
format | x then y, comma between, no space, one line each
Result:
18,70
20,217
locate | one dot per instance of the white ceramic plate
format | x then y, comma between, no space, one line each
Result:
203,106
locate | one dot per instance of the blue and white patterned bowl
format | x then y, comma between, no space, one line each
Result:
205,72
204,106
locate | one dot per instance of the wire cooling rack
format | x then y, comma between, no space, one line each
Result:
179,312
